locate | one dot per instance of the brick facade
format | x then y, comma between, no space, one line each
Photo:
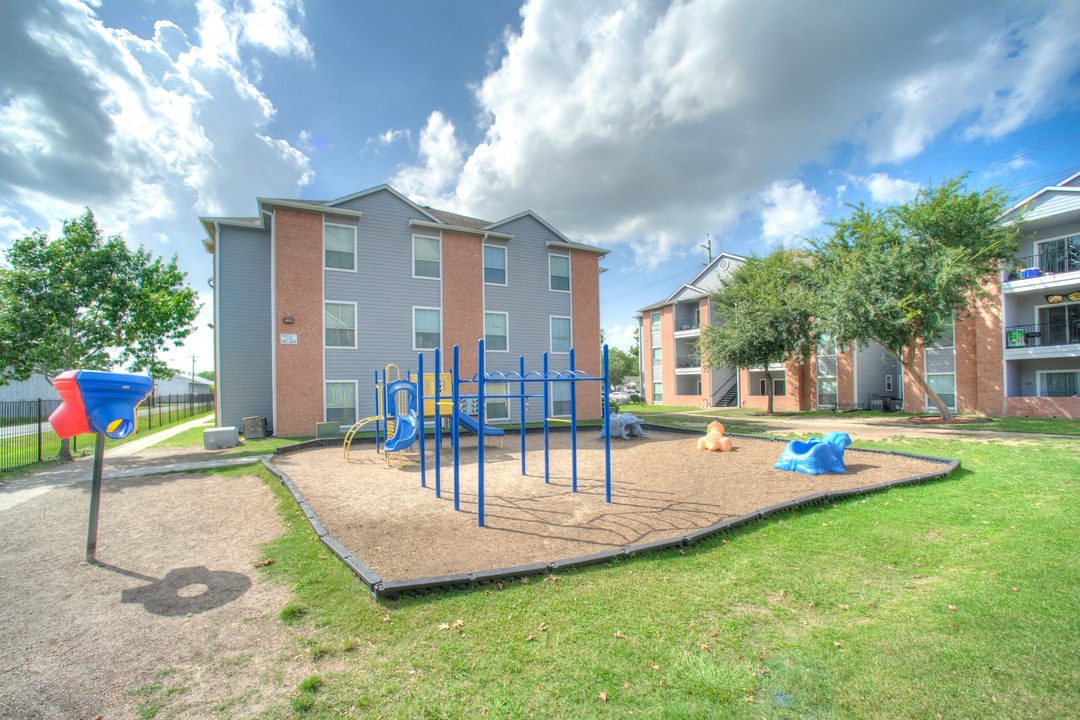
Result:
585,325
462,294
298,293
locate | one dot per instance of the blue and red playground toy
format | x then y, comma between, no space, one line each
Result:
103,403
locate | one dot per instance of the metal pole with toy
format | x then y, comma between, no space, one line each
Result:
103,403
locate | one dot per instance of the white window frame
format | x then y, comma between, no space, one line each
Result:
504,402
355,326
355,250
416,348
552,400
1036,246
762,387
551,334
355,397
506,264
888,383
506,317
782,382
438,241
657,356
569,282
657,399
927,376
1039,376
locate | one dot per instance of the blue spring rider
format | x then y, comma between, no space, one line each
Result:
815,456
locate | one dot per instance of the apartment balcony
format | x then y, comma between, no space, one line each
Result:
1049,270
1043,340
687,365
687,329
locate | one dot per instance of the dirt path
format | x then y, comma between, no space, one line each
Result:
176,613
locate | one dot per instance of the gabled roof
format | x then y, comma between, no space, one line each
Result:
716,262
460,220
1068,186
387,188
694,287
685,292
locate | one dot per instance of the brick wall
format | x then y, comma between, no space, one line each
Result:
845,378
1043,407
462,299
298,293
667,353
585,283
914,397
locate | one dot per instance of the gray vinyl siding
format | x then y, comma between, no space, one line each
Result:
873,364
529,304
384,291
1024,371
244,328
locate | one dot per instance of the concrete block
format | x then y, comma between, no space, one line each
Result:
326,430
220,438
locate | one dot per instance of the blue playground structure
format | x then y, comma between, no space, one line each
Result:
403,406
816,456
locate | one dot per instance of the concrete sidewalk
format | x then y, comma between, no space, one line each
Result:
40,481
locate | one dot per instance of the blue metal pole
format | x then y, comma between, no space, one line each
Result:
521,374
573,425
480,379
438,425
547,405
418,398
454,435
607,432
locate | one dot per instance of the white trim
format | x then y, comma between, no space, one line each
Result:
440,226
506,264
355,249
356,397
438,240
551,334
497,421
273,322
217,324
551,397
888,382
569,273
356,329
422,307
505,315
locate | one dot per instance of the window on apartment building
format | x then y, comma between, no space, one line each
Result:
427,328
496,332
341,402
494,265
1060,255
339,243
654,322
1060,383
340,323
560,399
944,384
826,392
426,257
496,408
559,272
560,335
779,386
888,383
657,393
657,357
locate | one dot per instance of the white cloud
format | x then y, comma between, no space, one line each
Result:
791,211
888,190
681,115
149,133
442,155
620,336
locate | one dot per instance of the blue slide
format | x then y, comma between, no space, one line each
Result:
404,433
467,422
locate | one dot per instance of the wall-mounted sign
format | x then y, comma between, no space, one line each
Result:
289,338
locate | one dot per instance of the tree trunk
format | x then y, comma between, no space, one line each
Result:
769,388
64,453
908,364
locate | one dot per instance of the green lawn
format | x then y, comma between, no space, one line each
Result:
262,446
953,599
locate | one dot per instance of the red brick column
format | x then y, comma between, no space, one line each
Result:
462,298
667,352
914,397
845,377
298,293
585,323
989,348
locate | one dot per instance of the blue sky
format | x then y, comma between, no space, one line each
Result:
643,127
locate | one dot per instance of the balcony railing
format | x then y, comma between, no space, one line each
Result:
1042,335
1047,262
684,325
687,362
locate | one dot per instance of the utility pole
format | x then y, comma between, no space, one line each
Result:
708,246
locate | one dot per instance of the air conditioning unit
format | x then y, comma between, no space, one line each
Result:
254,428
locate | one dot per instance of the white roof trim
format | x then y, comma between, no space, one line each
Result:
685,287
392,191
307,207
459,228
578,247
1048,189
711,267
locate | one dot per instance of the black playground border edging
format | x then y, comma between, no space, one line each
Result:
381,589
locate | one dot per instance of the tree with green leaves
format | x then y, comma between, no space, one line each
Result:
765,311
84,301
621,365
899,275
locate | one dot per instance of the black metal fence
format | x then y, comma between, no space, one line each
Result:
1042,334
26,436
